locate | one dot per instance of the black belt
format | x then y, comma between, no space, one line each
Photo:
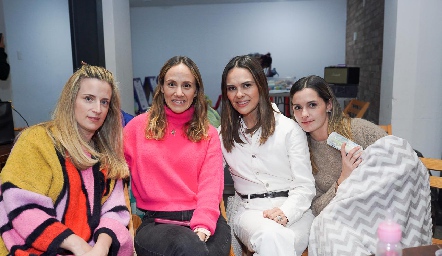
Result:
265,195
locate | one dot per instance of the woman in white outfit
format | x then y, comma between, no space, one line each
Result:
269,162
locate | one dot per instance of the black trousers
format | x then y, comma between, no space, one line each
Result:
175,240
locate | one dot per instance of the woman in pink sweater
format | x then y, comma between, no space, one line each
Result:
176,166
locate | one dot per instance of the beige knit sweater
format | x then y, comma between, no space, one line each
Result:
328,160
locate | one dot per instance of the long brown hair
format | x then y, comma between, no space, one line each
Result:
107,142
197,128
230,118
338,121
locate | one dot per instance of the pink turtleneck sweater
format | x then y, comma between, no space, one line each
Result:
175,174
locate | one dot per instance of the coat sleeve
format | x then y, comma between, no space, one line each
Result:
115,217
210,186
302,189
29,188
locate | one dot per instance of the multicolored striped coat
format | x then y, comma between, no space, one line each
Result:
44,199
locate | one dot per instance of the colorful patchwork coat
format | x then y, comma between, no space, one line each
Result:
44,199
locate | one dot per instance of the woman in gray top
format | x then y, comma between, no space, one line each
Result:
317,111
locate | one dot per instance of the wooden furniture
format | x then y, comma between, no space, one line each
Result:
281,97
4,153
19,129
218,103
387,128
356,108
435,181
222,208
424,250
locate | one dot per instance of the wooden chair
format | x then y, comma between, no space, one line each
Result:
387,128
435,181
356,108
218,102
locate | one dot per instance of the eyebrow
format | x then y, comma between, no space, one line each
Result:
312,101
93,95
173,80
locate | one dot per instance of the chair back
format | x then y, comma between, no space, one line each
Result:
218,102
387,128
435,181
356,108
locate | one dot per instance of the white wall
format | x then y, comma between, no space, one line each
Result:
388,59
417,75
39,53
302,36
118,53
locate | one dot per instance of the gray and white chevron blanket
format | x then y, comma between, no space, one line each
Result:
391,177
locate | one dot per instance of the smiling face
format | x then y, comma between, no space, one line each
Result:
243,94
91,106
179,88
310,112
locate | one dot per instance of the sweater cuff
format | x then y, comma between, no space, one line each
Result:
115,246
122,242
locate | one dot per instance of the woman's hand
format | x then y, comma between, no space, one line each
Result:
101,248
97,251
76,245
276,215
350,161
201,235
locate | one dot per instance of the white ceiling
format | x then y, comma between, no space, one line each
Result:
151,3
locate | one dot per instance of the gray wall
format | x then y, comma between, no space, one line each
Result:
365,27
39,52
302,36
39,32
118,53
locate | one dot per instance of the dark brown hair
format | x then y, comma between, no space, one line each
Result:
230,118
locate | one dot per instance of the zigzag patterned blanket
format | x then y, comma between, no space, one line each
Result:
391,176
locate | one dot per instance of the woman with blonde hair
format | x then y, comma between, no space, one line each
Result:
176,166
62,186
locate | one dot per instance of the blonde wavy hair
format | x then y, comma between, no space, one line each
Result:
338,121
230,118
106,144
197,128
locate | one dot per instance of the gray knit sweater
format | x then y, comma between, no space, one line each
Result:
328,160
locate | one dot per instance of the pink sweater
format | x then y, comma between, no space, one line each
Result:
175,174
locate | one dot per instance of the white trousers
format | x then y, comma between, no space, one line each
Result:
264,236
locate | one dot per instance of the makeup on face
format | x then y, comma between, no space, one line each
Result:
179,88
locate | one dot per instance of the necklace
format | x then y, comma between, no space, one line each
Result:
173,132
